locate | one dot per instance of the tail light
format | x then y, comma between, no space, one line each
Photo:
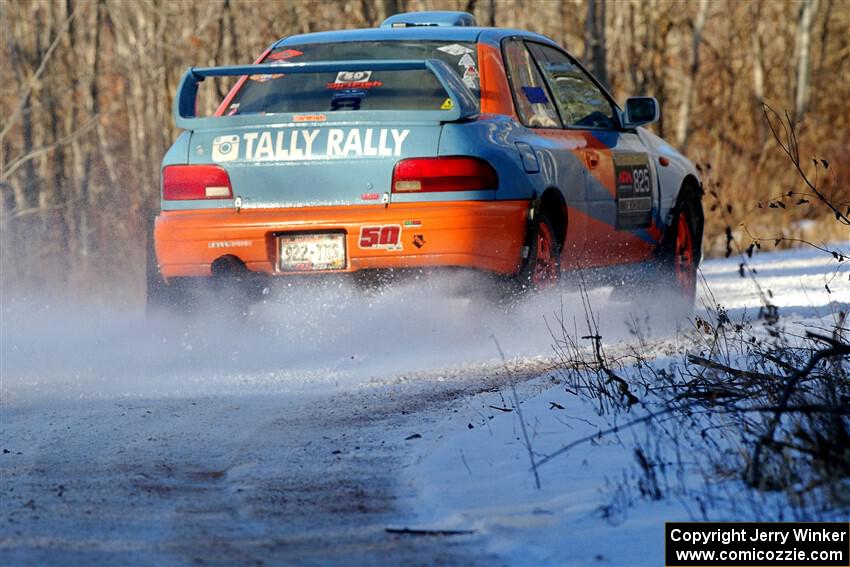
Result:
185,182
421,175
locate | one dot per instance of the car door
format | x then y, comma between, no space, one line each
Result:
557,149
620,192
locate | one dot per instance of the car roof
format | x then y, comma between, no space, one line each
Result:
423,33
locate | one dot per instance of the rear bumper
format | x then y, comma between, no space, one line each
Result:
484,235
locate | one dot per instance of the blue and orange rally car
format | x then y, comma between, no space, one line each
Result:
427,142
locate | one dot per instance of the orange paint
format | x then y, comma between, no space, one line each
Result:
485,235
495,90
604,246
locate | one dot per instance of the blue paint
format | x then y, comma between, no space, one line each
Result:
608,138
447,34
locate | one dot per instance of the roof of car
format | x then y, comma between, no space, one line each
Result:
422,33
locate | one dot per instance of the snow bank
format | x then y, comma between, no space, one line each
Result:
476,474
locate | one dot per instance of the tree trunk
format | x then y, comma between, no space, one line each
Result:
369,16
393,7
683,124
802,49
594,40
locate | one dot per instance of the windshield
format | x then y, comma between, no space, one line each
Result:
419,89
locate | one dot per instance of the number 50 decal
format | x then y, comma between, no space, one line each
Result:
387,237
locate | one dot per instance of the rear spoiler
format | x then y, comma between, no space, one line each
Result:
464,103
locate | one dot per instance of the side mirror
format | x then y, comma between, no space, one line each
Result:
641,110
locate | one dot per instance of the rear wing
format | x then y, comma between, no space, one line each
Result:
464,103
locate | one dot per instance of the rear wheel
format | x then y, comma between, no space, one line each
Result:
227,296
160,296
173,297
542,268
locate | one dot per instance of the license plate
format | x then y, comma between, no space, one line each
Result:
311,252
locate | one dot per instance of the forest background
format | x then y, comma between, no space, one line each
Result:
86,89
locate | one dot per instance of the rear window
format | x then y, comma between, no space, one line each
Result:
274,93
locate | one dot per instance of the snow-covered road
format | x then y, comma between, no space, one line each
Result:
299,436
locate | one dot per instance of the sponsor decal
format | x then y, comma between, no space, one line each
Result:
467,61
309,118
269,76
470,73
535,95
354,93
354,80
295,143
229,244
455,49
353,85
412,223
447,104
470,78
233,109
419,240
285,54
386,237
370,197
225,148
349,99
353,77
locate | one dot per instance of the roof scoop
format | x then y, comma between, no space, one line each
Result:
430,19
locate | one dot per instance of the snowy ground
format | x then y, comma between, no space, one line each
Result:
299,436
477,474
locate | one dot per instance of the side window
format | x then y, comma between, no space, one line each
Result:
581,103
534,106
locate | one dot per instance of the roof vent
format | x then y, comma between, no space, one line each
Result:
429,19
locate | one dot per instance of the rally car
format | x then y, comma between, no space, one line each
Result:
429,142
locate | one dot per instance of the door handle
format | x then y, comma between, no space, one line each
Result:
591,158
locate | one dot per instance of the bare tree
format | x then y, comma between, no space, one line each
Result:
594,40
682,125
802,49
393,7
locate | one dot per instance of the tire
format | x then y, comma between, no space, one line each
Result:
635,283
542,269
172,298
666,285
680,252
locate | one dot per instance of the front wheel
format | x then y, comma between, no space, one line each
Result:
666,284
684,257
680,256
